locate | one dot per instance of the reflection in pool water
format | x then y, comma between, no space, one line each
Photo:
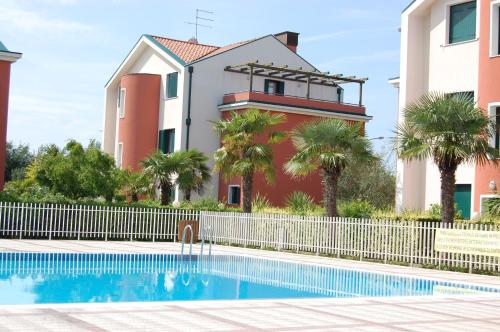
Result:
69,278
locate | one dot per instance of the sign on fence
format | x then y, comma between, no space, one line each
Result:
469,242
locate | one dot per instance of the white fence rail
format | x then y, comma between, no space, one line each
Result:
61,221
383,240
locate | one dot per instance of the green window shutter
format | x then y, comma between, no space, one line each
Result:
462,22
172,85
171,140
266,86
162,141
280,88
497,129
166,140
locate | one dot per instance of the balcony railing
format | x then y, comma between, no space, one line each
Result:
292,101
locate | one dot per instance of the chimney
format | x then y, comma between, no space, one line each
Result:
290,39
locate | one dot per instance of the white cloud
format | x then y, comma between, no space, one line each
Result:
16,18
53,118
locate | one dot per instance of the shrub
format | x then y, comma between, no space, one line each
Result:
205,204
356,209
493,207
434,211
300,203
260,202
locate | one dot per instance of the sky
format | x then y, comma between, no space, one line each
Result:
71,48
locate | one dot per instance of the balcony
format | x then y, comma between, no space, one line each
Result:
301,104
255,98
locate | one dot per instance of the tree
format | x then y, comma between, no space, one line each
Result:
17,159
241,154
451,130
373,182
76,172
328,145
163,168
195,174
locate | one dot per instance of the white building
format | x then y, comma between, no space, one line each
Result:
167,92
445,46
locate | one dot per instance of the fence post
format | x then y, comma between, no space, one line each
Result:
50,220
362,239
386,238
107,223
22,222
154,222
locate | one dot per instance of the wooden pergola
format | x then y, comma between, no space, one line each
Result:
297,75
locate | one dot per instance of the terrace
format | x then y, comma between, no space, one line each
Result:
309,78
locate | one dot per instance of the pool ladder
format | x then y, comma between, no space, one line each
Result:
203,231
210,241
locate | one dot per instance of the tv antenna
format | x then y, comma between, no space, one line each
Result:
198,17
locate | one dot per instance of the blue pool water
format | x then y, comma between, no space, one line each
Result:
27,278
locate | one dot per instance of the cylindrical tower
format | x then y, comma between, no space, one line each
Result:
6,58
138,123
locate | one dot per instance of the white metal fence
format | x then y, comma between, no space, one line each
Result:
383,240
61,221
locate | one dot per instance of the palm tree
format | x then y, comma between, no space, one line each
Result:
327,145
195,174
163,168
451,130
240,154
136,184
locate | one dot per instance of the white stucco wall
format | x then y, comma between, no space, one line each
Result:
209,84
429,63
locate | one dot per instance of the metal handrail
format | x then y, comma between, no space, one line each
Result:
190,241
210,240
204,230
186,283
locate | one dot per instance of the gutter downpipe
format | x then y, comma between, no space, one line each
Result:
188,119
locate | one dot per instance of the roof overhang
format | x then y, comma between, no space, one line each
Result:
10,56
394,81
417,6
297,110
148,41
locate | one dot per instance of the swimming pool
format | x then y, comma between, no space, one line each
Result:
28,278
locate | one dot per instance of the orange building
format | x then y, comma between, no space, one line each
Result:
6,59
166,94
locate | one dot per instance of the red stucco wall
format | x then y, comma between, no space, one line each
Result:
488,92
284,184
4,105
138,130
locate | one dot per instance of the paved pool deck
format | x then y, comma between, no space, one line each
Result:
440,313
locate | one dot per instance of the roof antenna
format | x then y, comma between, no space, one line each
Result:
196,24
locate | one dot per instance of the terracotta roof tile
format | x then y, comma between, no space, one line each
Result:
189,51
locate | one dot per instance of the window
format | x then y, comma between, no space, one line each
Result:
172,85
340,94
273,87
495,29
497,128
121,102
462,22
119,155
234,193
166,140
